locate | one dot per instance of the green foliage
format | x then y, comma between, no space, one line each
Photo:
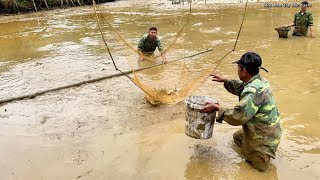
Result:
15,6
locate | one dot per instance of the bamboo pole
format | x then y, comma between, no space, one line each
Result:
72,2
34,5
45,1
30,96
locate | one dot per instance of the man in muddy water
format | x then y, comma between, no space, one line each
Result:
256,112
302,21
148,44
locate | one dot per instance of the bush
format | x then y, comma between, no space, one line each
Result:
15,6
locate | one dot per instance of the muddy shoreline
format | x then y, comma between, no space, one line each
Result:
14,7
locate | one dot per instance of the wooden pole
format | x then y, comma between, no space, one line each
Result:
30,96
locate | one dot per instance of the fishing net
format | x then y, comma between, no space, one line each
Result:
167,83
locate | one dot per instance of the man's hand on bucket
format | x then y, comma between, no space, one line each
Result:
210,107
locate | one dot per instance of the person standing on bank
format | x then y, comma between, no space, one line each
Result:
256,112
148,44
302,21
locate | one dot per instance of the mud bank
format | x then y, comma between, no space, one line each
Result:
19,6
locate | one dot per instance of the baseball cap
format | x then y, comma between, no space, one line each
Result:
304,4
250,61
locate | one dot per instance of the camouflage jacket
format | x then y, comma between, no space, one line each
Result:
302,22
257,113
148,45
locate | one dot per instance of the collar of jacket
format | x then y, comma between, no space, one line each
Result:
303,13
253,78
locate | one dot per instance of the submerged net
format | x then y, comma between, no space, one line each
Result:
169,83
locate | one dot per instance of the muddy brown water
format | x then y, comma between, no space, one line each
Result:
106,130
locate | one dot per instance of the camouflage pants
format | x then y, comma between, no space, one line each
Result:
261,166
300,31
297,33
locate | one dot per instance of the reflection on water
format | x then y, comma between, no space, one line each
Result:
209,162
206,162
247,172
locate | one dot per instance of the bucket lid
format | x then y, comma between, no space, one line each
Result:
198,102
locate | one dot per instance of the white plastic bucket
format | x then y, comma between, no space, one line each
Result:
199,125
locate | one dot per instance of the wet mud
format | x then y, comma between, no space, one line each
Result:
107,130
